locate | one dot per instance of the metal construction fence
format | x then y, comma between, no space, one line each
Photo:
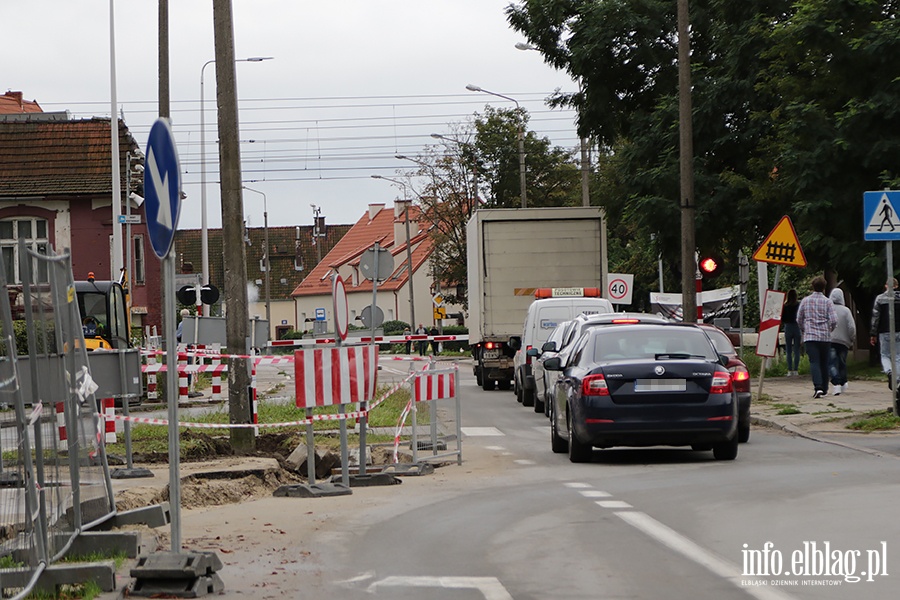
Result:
54,477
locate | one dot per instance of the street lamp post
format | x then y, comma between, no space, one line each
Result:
475,88
409,263
204,231
268,266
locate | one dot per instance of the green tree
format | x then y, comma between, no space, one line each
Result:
834,129
478,164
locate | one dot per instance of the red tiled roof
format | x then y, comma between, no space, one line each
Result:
42,158
12,103
362,236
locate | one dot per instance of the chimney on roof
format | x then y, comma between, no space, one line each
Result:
17,97
400,207
374,209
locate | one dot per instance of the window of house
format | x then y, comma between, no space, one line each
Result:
140,273
34,231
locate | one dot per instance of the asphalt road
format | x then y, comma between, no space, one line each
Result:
517,521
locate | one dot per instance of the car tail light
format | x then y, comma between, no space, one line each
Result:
721,383
594,385
492,345
626,321
741,377
527,358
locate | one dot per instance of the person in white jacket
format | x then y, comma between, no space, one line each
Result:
842,338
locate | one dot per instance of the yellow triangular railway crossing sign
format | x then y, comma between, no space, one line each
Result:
781,247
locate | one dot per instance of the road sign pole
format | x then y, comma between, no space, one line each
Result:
889,251
172,400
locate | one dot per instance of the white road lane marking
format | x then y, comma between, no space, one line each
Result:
490,587
595,494
576,485
613,504
691,550
482,431
524,461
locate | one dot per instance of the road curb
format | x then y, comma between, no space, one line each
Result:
797,431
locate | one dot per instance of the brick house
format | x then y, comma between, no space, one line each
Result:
55,190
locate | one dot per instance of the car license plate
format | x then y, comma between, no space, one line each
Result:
489,354
660,385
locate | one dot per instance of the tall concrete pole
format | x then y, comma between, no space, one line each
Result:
236,318
686,147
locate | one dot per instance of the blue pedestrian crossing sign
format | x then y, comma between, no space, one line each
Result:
881,221
162,187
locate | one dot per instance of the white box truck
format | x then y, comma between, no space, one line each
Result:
511,253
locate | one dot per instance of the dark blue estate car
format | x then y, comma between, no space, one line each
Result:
644,384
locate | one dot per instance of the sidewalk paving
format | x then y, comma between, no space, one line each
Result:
818,416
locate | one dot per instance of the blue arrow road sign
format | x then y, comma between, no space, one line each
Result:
881,221
162,187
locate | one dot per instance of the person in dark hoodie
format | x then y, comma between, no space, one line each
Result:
880,326
842,338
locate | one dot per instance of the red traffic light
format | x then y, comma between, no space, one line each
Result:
710,266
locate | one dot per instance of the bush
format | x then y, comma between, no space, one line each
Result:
395,327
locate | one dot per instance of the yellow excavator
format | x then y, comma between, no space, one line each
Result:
103,306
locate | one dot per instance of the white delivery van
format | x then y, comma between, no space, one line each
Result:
551,307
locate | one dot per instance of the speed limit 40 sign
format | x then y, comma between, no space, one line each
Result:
619,288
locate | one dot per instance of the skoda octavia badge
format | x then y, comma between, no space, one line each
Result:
659,370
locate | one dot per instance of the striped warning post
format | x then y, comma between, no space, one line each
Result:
61,427
434,386
330,376
108,406
217,375
182,377
151,379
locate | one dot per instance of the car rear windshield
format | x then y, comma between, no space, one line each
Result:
647,342
721,341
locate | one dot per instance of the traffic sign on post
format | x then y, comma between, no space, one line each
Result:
620,287
781,246
162,193
341,311
881,222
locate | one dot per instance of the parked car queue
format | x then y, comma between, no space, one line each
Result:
634,379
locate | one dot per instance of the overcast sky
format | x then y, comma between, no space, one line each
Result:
352,84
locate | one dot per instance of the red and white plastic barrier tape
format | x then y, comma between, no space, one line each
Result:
366,340
329,417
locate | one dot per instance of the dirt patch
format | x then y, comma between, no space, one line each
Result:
211,489
216,486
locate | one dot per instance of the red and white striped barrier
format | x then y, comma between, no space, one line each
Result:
182,376
63,434
109,419
340,375
434,385
215,361
151,379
